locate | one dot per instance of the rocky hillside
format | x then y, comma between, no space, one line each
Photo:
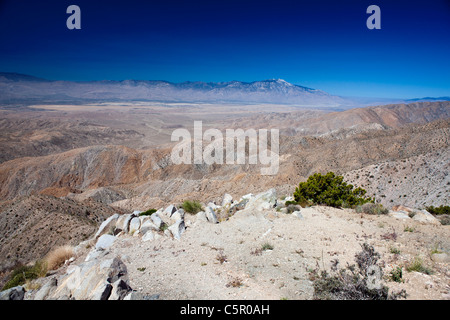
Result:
143,176
418,181
31,226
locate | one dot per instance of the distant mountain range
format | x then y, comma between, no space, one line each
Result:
26,89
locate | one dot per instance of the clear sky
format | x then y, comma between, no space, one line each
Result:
320,44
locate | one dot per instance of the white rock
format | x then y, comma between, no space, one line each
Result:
135,224
148,236
201,216
148,225
211,215
440,257
227,199
107,225
425,217
177,229
105,241
213,205
177,215
298,215
45,289
399,215
156,219
123,222
263,201
91,280
170,210
247,196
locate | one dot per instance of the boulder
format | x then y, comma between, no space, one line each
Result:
425,217
263,201
15,293
107,226
45,290
402,215
170,210
119,290
92,280
134,226
201,216
238,206
298,214
148,236
105,241
147,225
123,222
178,215
440,257
177,229
211,215
402,208
156,219
248,196
227,200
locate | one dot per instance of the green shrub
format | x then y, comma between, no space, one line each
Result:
371,208
192,207
438,210
22,274
148,212
330,190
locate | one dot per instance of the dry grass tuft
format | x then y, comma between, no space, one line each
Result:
56,257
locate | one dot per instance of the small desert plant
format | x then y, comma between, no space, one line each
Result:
408,229
235,283
394,250
354,283
412,214
56,257
371,208
397,274
266,246
22,274
221,258
192,207
418,266
148,212
256,252
390,235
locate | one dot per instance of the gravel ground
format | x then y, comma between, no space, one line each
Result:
226,260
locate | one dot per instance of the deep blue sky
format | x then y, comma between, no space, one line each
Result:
319,44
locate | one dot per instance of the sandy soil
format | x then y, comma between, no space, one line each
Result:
191,268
